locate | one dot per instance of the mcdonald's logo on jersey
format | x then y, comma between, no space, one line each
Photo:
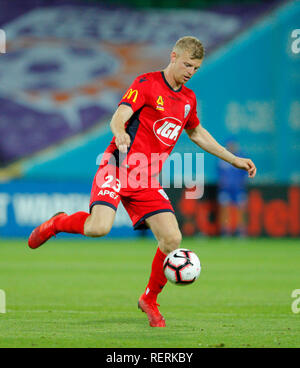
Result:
130,93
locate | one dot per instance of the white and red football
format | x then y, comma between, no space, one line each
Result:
182,266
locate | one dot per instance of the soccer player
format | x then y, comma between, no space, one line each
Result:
147,124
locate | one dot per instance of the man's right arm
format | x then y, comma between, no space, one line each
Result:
117,125
204,140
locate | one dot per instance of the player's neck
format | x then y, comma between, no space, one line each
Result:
170,78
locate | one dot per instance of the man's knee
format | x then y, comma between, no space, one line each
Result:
170,242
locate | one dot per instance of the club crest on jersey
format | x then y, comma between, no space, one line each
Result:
167,130
187,109
160,104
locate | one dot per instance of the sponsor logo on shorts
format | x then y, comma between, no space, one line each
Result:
163,193
104,192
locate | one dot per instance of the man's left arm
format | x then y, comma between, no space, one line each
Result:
204,140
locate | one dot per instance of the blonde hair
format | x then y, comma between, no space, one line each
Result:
190,44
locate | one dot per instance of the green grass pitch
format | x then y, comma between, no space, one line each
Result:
83,293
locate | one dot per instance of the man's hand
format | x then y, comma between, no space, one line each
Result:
117,124
245,164
122,142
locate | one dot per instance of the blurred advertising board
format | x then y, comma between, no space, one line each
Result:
272,211
25,205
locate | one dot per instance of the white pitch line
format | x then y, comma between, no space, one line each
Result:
60,311
48,311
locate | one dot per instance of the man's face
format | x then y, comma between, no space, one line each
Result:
184,67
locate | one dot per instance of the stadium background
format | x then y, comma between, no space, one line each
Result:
66,67
69,62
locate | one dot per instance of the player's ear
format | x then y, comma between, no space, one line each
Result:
173,56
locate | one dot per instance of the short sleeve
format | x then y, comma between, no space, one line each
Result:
193,120
135,96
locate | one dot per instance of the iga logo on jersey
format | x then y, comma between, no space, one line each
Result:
167,130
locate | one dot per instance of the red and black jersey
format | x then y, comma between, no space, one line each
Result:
160,115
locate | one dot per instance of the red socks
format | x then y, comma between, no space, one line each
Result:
71,224
157,278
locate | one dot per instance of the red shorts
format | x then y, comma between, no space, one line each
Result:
139,202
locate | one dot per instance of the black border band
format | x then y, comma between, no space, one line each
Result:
125,103
103,203
140,225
